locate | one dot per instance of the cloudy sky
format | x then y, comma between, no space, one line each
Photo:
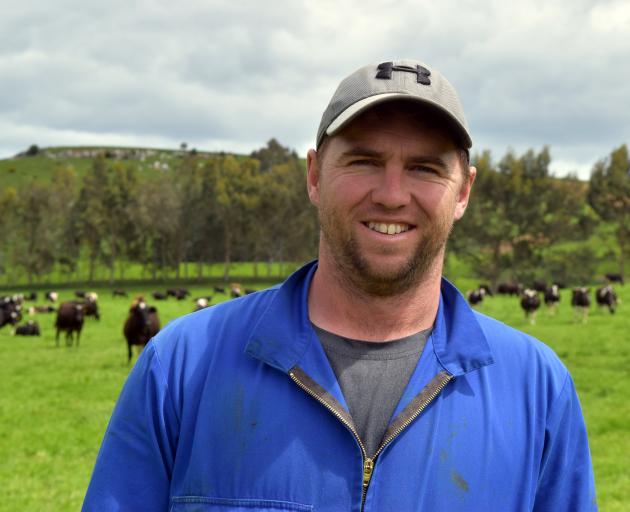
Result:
229,75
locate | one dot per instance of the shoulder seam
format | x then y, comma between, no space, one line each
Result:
552,407
165,380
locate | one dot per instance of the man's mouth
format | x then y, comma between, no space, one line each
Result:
388,229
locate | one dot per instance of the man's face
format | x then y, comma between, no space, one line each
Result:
388,189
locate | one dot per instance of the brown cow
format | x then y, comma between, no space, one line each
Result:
69,319
141,324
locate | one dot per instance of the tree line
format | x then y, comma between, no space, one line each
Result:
521,222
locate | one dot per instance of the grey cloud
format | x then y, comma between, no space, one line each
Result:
238,73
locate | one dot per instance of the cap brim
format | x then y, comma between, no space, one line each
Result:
362,105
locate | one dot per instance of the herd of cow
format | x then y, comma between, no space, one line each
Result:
141,324
530,298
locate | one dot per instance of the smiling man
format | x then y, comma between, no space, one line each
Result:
364,382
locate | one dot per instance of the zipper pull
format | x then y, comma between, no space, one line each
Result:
368,467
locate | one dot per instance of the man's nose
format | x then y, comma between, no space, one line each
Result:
392,190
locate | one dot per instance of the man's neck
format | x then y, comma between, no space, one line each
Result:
349,312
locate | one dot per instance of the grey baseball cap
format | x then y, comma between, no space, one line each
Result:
401,79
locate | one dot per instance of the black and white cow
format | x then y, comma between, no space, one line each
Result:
475,297
581,302
552,298
487,289
10,311
606,298
530,302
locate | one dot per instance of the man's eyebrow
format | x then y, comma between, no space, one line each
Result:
428,159
359,151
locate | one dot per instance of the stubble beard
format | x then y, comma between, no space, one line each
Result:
357,273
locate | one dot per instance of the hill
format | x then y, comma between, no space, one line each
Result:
39,165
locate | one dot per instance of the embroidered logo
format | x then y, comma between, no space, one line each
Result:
386,69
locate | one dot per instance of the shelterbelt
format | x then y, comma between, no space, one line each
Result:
236,408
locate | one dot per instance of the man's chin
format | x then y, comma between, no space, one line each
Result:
386,280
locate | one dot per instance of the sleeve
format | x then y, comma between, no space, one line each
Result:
566,481
134,465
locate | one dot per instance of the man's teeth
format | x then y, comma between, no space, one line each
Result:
388,229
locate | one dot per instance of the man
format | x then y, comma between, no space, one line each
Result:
365,381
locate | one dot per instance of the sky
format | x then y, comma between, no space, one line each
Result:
230,75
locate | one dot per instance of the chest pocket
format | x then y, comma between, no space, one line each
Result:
203,504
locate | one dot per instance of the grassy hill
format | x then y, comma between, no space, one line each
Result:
21,169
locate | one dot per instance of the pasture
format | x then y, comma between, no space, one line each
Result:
55,402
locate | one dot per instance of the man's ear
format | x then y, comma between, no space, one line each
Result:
312,176
464,193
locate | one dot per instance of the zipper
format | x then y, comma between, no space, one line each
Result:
368,463
421,407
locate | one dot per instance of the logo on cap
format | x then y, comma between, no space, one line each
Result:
386,69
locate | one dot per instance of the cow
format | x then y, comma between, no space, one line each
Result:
30,328
606,298
530,302
52,296
201,303
487,290
580,301
43,309
119,293
475,297
178,293
615,278
30,296
552,298
80,294
141,325
181,294
70,317
236,290
509,289
12,303
219,289
159,296
10,311
90,306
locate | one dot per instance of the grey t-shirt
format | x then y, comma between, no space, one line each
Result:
372,377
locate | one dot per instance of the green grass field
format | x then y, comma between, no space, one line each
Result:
55,402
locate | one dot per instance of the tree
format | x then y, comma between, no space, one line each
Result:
286,226
91,214
272,154
156,215
33,249
609,195
9,228
234,197
62,223
482,236
33,150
